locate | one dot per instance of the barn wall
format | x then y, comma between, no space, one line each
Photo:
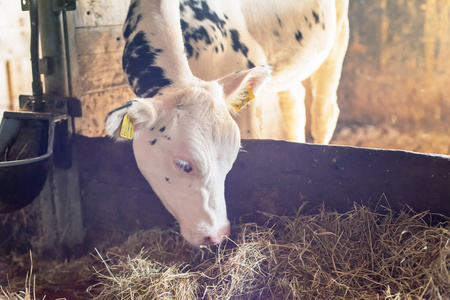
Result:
15,67
101,85
397,68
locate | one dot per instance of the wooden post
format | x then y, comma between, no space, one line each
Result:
60,199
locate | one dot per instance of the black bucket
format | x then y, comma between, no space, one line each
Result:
26,147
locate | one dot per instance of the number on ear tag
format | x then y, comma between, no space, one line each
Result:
127,129
245,97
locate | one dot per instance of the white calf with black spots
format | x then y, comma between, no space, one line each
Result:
193,63
300,39
185,140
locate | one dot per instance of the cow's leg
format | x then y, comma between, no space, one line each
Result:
324,84
292,105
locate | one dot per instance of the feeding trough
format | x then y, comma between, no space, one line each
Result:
26,147
27,138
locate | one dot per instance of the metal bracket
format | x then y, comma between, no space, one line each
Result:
57,5
64,5
47,65
25,5
55,104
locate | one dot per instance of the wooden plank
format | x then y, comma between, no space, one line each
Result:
14,42
100,12
99,58
99,72
73,74
99,40
4,90
62,228
97,105
14,31
20,80
291,173
336,176
11,15
14,48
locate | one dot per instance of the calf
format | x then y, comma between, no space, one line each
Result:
177,57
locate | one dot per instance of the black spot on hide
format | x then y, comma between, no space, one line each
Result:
184,25
131,22
309,23
279,21
316,17
138,62
236,42
203,12
162,129
182,9
197,34
194,34
299,36
153,142
189,50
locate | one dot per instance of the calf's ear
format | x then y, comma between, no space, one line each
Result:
139,112
239,88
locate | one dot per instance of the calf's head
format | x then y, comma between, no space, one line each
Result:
185,142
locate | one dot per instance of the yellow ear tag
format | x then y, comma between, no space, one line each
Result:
127,128
245,97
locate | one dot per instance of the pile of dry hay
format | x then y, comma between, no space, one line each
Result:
357,255
360,254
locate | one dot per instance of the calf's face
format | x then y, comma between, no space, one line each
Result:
185,142
185,156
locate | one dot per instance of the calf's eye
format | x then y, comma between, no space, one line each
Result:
182,165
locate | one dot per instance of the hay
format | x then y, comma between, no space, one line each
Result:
360,254
29,291
50,278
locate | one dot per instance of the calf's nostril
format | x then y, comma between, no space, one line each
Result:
217,237
207,241
216,240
